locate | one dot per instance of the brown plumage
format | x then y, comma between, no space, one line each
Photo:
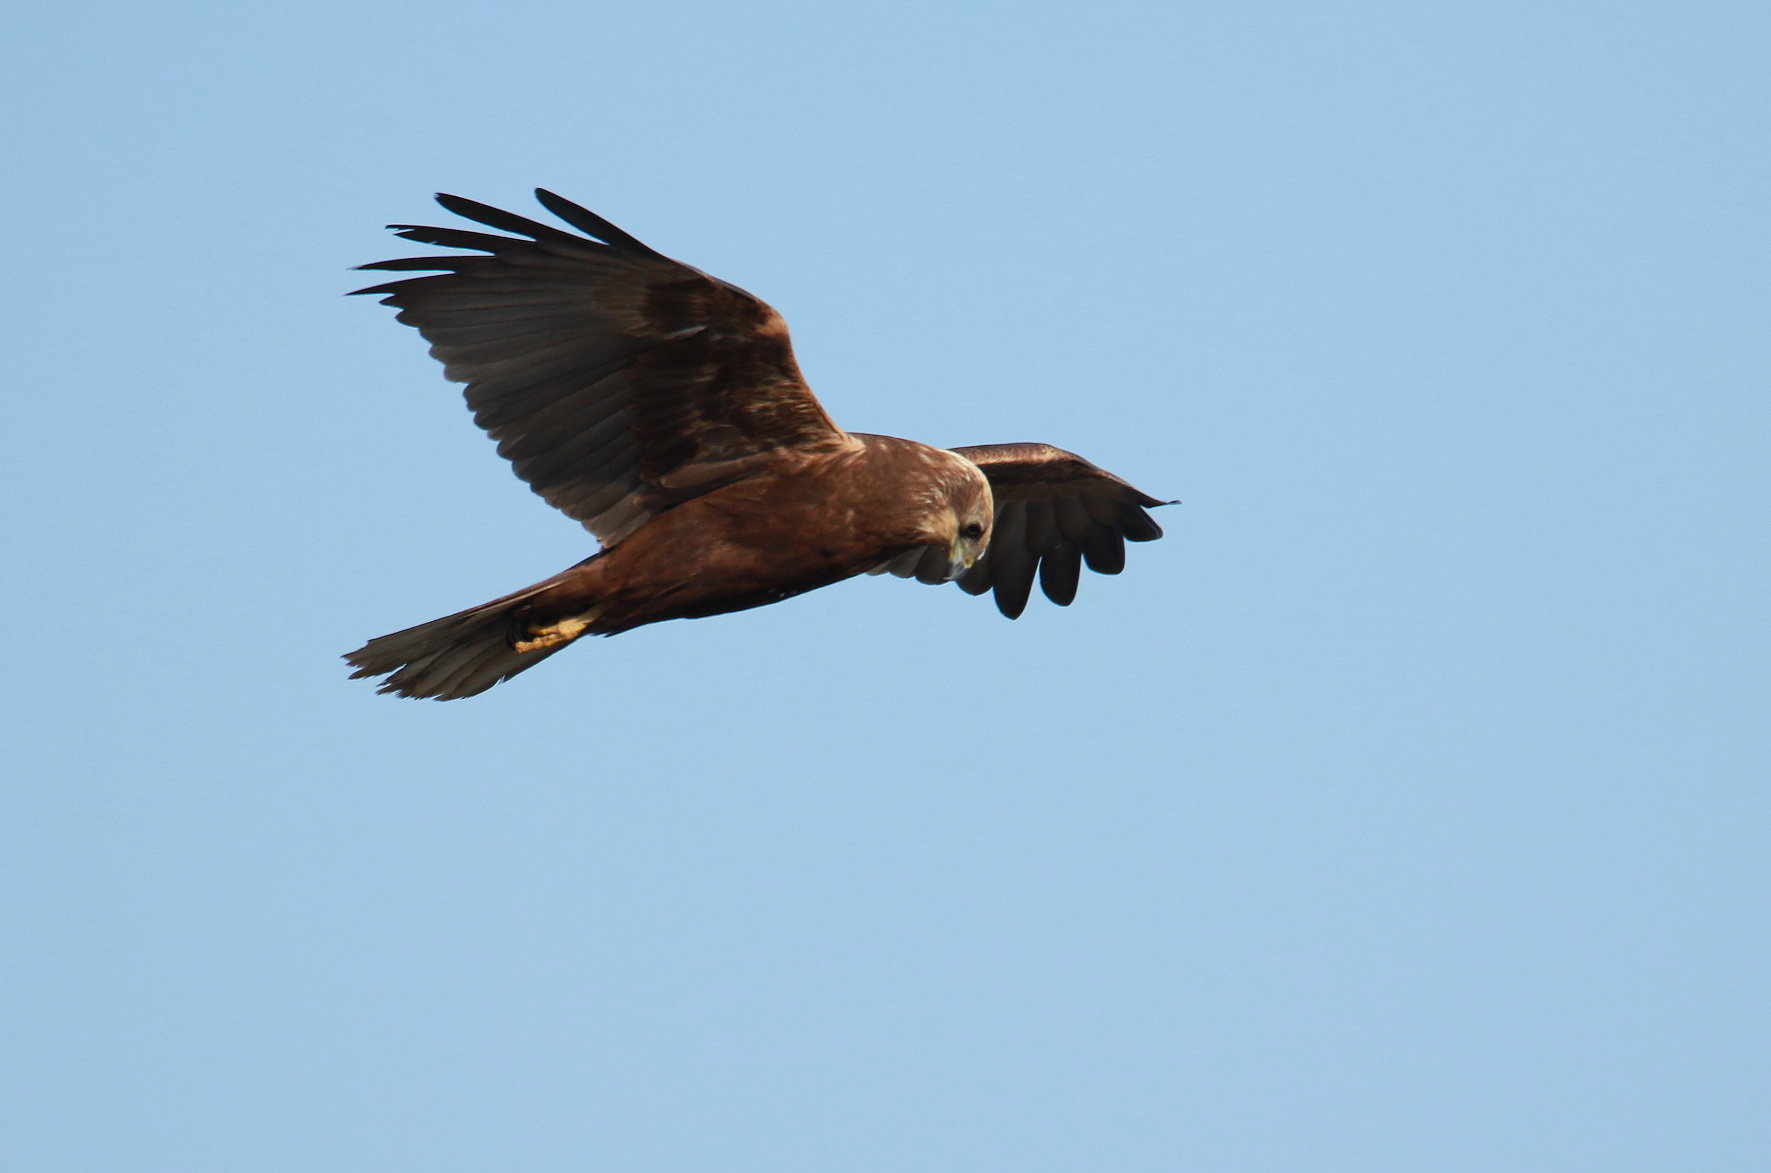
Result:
662,409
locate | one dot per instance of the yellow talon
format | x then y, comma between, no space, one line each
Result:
555,634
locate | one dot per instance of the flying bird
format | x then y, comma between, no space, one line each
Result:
662,409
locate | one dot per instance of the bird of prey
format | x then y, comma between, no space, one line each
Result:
662,409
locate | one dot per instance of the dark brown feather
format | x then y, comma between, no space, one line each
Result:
1060,569
589,222
1012,563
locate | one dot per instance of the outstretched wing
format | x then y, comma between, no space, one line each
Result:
1054,511
617,381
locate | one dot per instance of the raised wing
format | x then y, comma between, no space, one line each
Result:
1054,511
617,381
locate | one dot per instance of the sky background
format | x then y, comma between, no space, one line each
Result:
1404,809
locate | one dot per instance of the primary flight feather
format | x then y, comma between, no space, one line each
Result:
663,410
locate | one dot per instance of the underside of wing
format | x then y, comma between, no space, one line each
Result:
928,564
1055,512
617,381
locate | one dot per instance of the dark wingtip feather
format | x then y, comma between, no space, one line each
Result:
401,264
585,220
1138,526
1104,550
483,242
502,220
1060,571
1012,595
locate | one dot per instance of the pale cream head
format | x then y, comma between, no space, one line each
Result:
969,516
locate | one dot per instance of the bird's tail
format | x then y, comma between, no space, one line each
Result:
466,653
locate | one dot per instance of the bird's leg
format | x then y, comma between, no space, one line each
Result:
561,631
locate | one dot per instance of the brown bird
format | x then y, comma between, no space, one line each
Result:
662,409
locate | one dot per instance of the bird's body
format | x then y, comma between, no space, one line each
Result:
663,409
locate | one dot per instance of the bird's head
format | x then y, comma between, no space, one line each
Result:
967,515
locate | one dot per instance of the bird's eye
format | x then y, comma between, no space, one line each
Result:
973,531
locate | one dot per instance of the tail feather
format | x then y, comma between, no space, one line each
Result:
457,656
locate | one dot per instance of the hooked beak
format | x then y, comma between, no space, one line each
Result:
958,561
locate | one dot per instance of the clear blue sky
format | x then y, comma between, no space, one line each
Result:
1405,809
